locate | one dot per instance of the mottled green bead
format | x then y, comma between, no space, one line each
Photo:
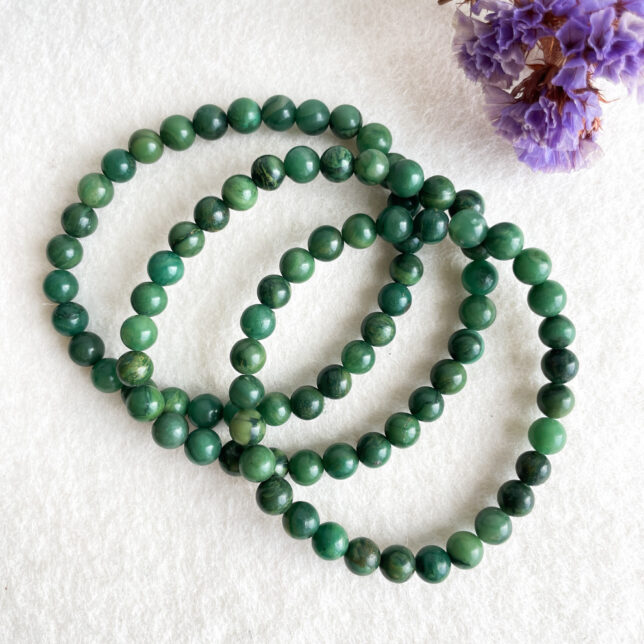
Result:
210,122
476,252
362,556
448,376
557,332
211,214
104,376
302,164
426,404
79,220
170,430
60,286
378,329
203,446
402,429
437,192
70,318
186,239
247,427
477,312
406,269
144,403
515,498
467,199
467,228
394,299
466,346
330,541
312,117
297,265
359,231
504,241
547,299
358,356
239,192
64,251
281,462
371,167
257,463
373,449
244,115
134,368
431,225
405,178
374,136
555,401
433,564
247,356
95,190
274,496
177,132
86,349
559,365
336,164
139,332
229,458
345,121
246,392
149,298
479,277
532,266
230,410
340,460
547,435
258,321
165,268
397,563
268,172
145,146
205,410
274,291
275,407
394,224
307,402
306,467
533,468
176,400
493,526
325,243
301,520
412,244
465,549
118,165
278,113
334,381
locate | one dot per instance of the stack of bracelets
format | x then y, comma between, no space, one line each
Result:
416,214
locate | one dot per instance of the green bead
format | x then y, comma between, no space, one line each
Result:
362,556
532,266
465,550
145,403
476,252
176,400
79,220
239,192
275,408
104,376
515,498
118,165
211,214
330,541
340,460
177,132
60,286
373,449
306,467
325,243
205,410
268,172
559,365
467,199
230,410
86,349
426,404
359,231
394,224
394,299
448,376
229,458
307,402
358,357
247,427
345,121
467,228
479,277
406,269
134,368
95,190
210,122
258,321
297,265
165,268
278,113
405,178
274,496
402,429
504,241
397,563
371,167
246,392
334,381
412,244
394,157
281,462
466,346
149,298
244,115
170,430
301,520
477,312
274,291
139,332
555,401
431,225
186,239
301,164
312,117
257,463
374,136
437,192
145,146
378,329
247,356
70,318
547,299
203,446
533,468
557,332
493,526
336,164
433,564
64,251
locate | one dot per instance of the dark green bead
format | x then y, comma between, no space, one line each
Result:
247,427
258,321
139,332
426,404
412,244
406,269
340,460
247,356
405,178
86,349
301,164
246,392
211,214
229,457
476,252
533,468
359,231
467,199
466,346
448,376
479,277
307,402
149,298
504,241
557,332
559,365
297,265
374,136
202,447
373,449
397,563
244,115
362,556
104,376
186,239
336,164
145,146
334,381
268,172
301,520
95,190
394,157
278,112
345,121
371,167
532,266
378,329
275,408
134,368
165,268
144,403
410,204
306,467
60,286
547,299
432,564
402,430
465,550
477,312
70,318
325,243
79,220
330,541
239,192
467,228
64,251
210,122
493,526
515,498
312,117
257,463
547,435
358,357
437,192
431,225
394,299
394,224
274,291
170,430
274,496
205,410
281,462
176,400
555,401
118,165
177,132
230,410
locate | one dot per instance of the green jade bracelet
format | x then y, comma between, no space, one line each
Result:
250,408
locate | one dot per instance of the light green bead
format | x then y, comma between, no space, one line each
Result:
139,332
467,228
186,239
504,241
177,132
465,550
95,190
371,167
275,408
145,146
239,192
547,435
374,136
257,463
247,427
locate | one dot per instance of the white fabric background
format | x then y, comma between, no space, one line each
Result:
107,538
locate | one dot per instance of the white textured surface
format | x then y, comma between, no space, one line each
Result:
105,537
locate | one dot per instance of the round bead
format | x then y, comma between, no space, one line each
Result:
239,192
378,329
177,132
330,541
547,299
371,167
278,113
144,403
186,239
345,121
257,463
533,468
467,228
466,346
448,376
325,243
306,467
394,224
247,356
301,520
406,269
134,368
274,496
211,214
412,244
559,365
437,192
281,462
532,266
555,401
359,231
202,446
312,117
258,321
397,563
170,430
268,172
493,526
70,318
118,165
476,252
307,402
394,299
86,349
432,564
340,460
104,376
373,449
165,268
557,332
405,178
246,392
297,265
60,286
426,404
274,291
334,381
275,408
244,115
504,241
95,190
547,435
301,164
477,312
205,410
247,427
176,400
145,146
210,122
431,226
467,199
362,556
336,164
515,498
229,458
402,430
374,136
479,277
358,357
139,332
465,549
149,298
64,251
79,220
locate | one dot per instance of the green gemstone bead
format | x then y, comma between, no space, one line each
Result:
325,243
515,498
210,122
374,136
247,427
229,411
244,115
281,462
79,220
397,563
144,403
312,117
336,164
170,430
466,346
559,365
257,463
278,113
176,400
60,286
412,244
547,299
64,251
345,121
394,224
186,239
557,332
203,446
139,332
467,228
301,164
334,381
239,192
373,449
477,312
268,172
359,231
504,241
246,392
258,321
493,526
394,299
433,564
275,408
307,402
547,435
205,410
426,404
405,178
431,225
479,277
95,190
274,291
306,467
248,356
301,520
402,429
149,298
274,496
362,556
448,376
330,541
340,460
70,318
145,146
211,214
177,132
86,349
532,266
467,199
533,468
555,401
104,376
378,329
297,265
465,550
406,269
118,165
476,252
229,458
358,357
371,167
165,268
134,368
437,192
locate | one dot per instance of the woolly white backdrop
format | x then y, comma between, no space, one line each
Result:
107,538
